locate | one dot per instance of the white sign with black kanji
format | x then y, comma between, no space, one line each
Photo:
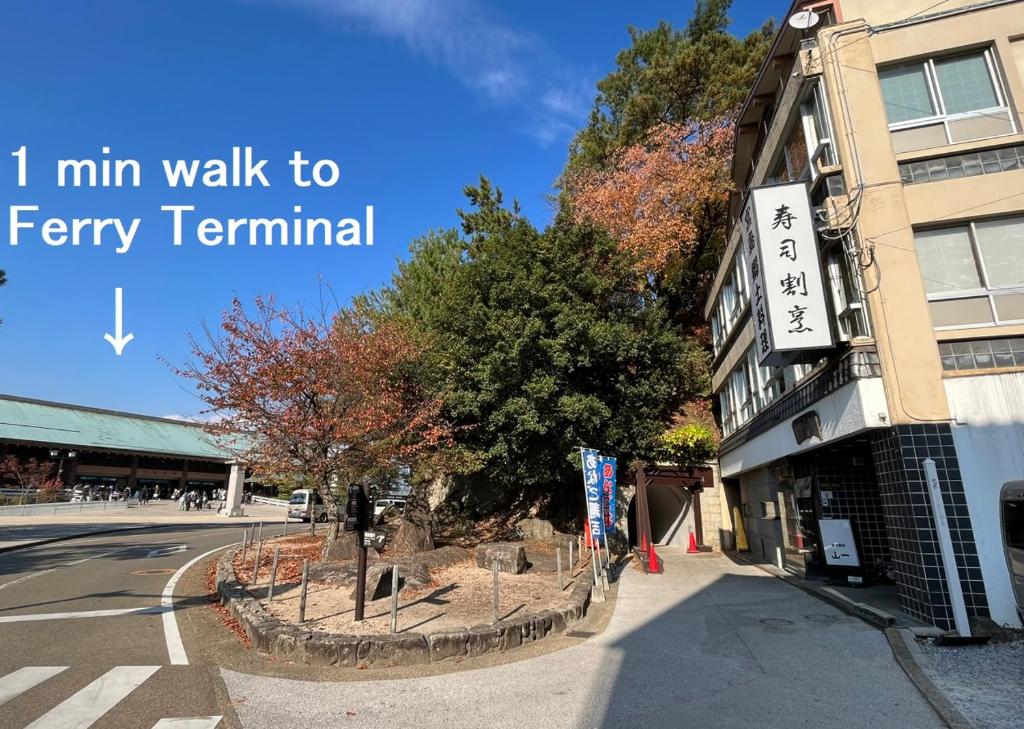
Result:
787,294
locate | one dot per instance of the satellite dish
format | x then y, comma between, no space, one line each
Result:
804,20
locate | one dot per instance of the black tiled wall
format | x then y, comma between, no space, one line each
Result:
849,474
898,453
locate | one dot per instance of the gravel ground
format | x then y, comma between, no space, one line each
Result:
985,682
459,597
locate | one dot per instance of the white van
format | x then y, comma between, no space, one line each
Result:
298,505
380,505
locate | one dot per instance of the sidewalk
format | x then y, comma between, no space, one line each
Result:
709,643
18,532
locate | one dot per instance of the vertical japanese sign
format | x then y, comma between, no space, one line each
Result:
608,484
786,289
592,487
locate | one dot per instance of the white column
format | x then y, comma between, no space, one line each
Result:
236,482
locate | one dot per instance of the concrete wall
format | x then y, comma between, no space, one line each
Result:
989,435
763,535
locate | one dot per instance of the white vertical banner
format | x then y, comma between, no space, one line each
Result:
787,293
956,595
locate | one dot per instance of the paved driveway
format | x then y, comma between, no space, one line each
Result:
710,643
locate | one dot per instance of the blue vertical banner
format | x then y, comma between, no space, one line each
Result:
607,467
592,487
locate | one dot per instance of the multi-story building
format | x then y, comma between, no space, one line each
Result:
888,329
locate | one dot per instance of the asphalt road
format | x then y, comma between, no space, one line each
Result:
710,643
61,665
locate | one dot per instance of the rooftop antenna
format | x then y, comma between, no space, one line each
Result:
804,21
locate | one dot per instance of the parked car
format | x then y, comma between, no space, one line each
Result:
299,505
382,505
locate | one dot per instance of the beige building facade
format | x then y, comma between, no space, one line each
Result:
903,120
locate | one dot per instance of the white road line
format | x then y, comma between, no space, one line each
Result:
27,577
151,610
198,722
165,551
67,564
175,649
95,700
23,679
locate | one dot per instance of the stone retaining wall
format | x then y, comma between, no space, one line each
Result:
295,643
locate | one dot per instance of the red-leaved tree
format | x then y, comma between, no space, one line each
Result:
662,199
325,400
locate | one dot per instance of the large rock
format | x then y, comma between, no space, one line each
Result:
535,528
345,548
413,535
510,556
378,582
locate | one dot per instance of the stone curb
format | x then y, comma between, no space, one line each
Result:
292,642
904,651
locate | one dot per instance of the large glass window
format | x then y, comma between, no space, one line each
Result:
974,274
941,101
965,84
947,260
1001,244
906,93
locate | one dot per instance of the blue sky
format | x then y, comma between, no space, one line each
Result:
412,98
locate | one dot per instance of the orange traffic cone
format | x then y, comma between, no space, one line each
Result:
653,561
692,549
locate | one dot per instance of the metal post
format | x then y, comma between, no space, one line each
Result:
597,592
361,577
256,564
606,564
579,545
394,598
558,564
302,595
273,574
245,543
260,537
571,563
494,573
286,523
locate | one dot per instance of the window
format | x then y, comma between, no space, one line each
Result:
747,391
947,260
971,164
974,274
943,101
808,148
716,333
906,94
965,84
982,354
817,130
1001,244
847,300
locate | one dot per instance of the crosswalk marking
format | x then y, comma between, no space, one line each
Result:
23,679
199,722
96,699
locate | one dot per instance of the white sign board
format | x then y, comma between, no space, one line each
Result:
837,541
787,295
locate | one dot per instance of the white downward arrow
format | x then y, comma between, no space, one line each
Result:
118,342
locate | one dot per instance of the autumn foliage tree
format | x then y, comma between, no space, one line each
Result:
31,473
328,399
664,200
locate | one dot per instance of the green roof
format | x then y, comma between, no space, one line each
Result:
51,423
